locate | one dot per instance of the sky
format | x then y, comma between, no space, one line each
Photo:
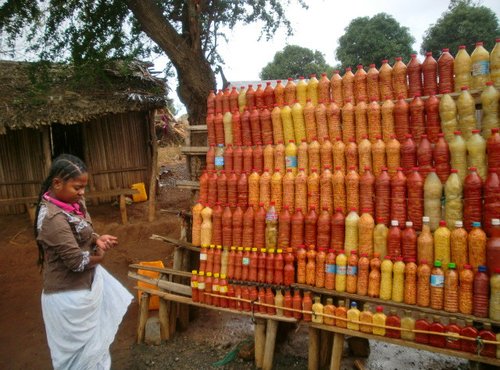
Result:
318,28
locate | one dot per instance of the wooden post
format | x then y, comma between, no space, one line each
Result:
271,330
337,349
325,350
154,169
163,315
313,357
174,306
143,317
260,342
123,209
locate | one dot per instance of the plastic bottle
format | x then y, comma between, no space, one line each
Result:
415,191
387,111
477,246
374,277
201,287
494,312
379,318
462,69
425,242
465,290
458,154
299,126
366,316
232,190
289,190
206,226
352,272
424,155
310,121
341,312
216,290
312,189
223,291
311,266
208,289
323,88
310,226
468,331
291,156
363,275
301,91
312,89
288,303
408,322
429,73
495,64
329,310
270,301
409,241
277,123
386,279
489,102
320,268
351,231
270,266
453,330
338,230
317,309
401,119
300,195
336,88
348,85
351,155
399,84
297,229
445,70
268,155
398,280
437,340
365,155
451,289
393,320
217,260
366,226
442,249
338,154
341,273
423,284
301,255
489,350
360,114
380,238
437,286
330,270
197,221
338,189
422,324
441,156
433,121
290,92
279,301
372,83
260,239
385,79
417,118
393,149
259,97
353,317
277,190
448,115
466,108
231,263
289,268
212,188
378,156
394,240
271,227
307,306
324,231
433,190
410,282
245,264
238,264
348,122
227,120
481,293
253,265
458,246
414,73
360,85
476,149
453,190
480,58
284,224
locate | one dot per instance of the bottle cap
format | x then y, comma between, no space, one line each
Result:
442,223
222,276
209,274
380,309
461,47
489,83
354,252
482,268
409,224
476,224
497,270
394,223
194,272
216,275
437,263
423,261
479,43
452,265
467,267
459,224
254,249
495,222
201,273
354,305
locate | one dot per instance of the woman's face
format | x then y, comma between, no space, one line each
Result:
70,191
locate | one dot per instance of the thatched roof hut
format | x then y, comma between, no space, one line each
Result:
106,118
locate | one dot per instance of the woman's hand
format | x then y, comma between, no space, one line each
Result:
106,242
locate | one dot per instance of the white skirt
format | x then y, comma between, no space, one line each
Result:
82,324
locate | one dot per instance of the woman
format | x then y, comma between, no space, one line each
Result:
82,304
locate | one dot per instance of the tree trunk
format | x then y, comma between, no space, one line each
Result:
196,78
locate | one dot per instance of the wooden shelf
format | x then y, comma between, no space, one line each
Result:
402,306
187,184
194,150
197,128
405,343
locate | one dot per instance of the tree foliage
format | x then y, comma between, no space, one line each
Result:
188,32
370,40
464,23
294,61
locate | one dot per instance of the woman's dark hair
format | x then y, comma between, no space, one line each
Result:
66,167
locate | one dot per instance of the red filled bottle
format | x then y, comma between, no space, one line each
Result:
493,149
252,268
284,224
238,160
395,321
307,306
243,191
248,159
259,240
489,349
297,229
433,120
231,303
441,155
297,304
227,223
417,118
212,188
245,264
337,230
217,259
409,242
279,265
225,101
408,154
255,126
222,187
246,128
468,331
398,197
473,204
415,190
445,70
262,299
228,158
481,293
414,73
219,128
261,266
453,329
288,303
401,115
422,324
232,189
231,263
429,72
491,190
437,340
270,310
394,240
208,289
238,266
195,295
424,156
216,290
237,227
310,225
493,247
367,191
203,187
259,97
201,287
383,196
210,259
324,225
270,266
289,268
223,292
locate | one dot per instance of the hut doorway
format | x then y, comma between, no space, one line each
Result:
67,139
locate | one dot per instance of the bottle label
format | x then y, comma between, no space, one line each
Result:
215,288
223,289
330,269
219,161
245,261
352,270
481,68
194,284
451,336
203,256
201,286
272,216
341,270
437,281
291,161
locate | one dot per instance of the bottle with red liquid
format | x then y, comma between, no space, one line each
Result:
493,246
481,293
270,310
284,223
195,296
473,204
468,331
324,225
262,299
489,349
238,266
245,264
330,270
414,73
208,289
253,266
409,241
217,259
289,268
395,321
441,156
311,221
201,287
216,290
429,72
288,303
217,224
210,259
493,149
301,256
320,268
383,196
437,340
408,154
223,290
212,188
279,265
453,330
307,306
253,293
433,120
270,266
422,324
243,190
231,303
394,239
415,190
231,262
297,304
311,266
338,230
297,229
261,266
491,190
238,295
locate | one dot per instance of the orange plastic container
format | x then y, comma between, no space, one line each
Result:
154,301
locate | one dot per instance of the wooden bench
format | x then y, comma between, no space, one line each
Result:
30,202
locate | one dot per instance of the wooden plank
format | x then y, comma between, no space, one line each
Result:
187,184
194,150
162,270
401,342
378,301
313,356
162,284
260,341
187,300
22,200
197,128
143,317
325,350
120,170
177,242
163,315
123,209
111,193
271,330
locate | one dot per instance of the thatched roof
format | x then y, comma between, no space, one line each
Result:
33,95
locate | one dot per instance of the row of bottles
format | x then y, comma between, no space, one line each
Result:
272,125
445,75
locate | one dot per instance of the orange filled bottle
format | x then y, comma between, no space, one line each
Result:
387,111
284,225
279,264
270,266
320,268
374,276
348,121
429,72
326,197
333,117
312,189
363,274
259,229
297,304
437,287
441,155
336,88
445,70
465,290
409,241
238,267
297,229
246,128
473,192
410,290
217,224
352,272
261,265
372,83
326,152
423,284
367,192
385,80
393,149
415,192
417,118
330,270
414,73
222,187
382,196
399,85
360,85
323,231
348,85
424,156
301,190
338,189
311,266
433,120
301,256
289,268
398,197
401,119
337,230
451,289
289,190
341,313
324,88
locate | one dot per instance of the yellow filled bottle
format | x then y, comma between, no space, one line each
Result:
206,227
242,99
341,273
480,66
197,221
228,128
379,319
299,125
312,89
408,322
398,280
380,238
448,115
476,149
287,122
291,156
458,154
351,232
317,309
386,279
462,69
466,108
453,208
442,248
353,315
495,64
489,102
301,91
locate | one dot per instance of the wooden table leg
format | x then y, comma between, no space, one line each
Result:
337,349
143,317
313,357
123,209
325,350
163,315
271,330
260,342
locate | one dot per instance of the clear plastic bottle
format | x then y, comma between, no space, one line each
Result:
433,190
311,266
462,69
341,312
481,293
291,156
448,115
494,313
290,91
458,154
374,276
410,288
352,272
336,88
380,238
489,102
206,226
287,121
307,306
476,148
408,322
393,320
353,315
197,221
366,226
453,191
480,58
385,80
445,71
386,279
299,125
351,232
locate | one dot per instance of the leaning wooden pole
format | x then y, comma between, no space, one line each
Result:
260,342
271,330
143,317
154,169
313,357
337,348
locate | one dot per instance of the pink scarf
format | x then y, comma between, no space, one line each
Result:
72,208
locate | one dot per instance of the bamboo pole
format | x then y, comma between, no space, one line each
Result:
271,330
260,342
143,317
313,356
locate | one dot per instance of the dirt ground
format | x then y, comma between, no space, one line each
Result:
211,335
